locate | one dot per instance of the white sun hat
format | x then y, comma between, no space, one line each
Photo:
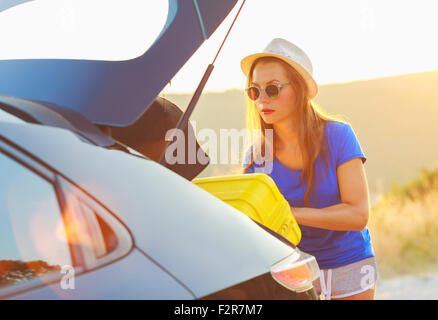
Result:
289,53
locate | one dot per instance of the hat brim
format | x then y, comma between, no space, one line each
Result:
248,61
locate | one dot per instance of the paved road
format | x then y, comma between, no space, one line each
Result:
408,288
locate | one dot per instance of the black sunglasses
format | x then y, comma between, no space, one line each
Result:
271,90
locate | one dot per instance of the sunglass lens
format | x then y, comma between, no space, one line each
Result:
253,93
272,91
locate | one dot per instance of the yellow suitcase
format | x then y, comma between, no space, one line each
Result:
257,196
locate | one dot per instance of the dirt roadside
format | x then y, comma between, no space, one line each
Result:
408,288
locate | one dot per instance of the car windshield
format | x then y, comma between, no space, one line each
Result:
80,29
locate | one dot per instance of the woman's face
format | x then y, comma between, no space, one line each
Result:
278,109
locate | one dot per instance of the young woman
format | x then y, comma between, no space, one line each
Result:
317,164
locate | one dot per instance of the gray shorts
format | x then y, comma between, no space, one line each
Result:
347,280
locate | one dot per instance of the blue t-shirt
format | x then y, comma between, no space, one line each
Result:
331,249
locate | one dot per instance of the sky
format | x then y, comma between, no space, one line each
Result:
345,40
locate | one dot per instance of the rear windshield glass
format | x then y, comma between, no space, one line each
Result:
80,29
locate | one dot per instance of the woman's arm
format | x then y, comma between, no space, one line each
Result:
353,211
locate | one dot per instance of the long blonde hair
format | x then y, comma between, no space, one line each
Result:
311,137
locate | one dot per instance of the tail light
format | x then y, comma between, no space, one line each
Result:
296,272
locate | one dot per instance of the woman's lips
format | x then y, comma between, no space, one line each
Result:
267,111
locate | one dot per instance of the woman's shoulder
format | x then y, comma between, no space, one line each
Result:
336,125
335,128
343,142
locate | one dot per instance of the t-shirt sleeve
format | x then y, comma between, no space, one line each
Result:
347,145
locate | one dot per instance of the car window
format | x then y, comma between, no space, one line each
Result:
32,234
6,4
68,29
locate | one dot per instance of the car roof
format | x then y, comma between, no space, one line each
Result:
9,117
52,115
116,93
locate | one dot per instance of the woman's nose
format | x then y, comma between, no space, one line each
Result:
264,98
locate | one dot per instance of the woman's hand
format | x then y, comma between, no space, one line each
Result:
353,213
